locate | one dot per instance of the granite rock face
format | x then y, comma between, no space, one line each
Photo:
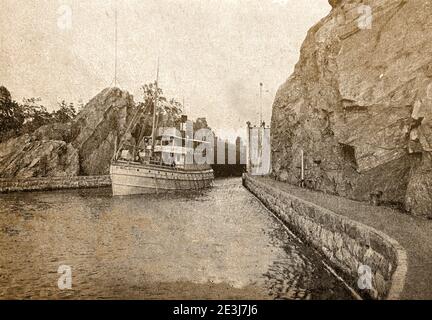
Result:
26,157
99,126
359,104
83,147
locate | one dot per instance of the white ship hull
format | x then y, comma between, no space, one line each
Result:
130,179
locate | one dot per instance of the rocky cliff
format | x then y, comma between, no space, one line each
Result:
83,147
99,126
26,157
359,104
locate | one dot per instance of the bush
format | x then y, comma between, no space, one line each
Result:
17,119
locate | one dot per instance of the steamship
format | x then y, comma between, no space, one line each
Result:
146,170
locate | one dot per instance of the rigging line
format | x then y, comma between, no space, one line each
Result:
122,141
116,43
155,108
142,132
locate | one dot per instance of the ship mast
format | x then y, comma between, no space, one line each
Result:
116,151
155,109
116,43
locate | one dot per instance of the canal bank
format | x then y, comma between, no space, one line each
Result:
346,244
412,233
54,183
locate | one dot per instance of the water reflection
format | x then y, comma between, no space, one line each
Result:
217,244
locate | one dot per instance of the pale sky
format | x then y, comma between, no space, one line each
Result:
213,54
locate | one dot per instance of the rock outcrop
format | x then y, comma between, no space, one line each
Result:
27,157
99,126
359,104
83,147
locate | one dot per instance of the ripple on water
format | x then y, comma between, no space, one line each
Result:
220,243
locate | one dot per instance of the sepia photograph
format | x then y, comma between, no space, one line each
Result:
215,154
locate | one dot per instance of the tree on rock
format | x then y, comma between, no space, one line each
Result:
35,115
65,113
11,115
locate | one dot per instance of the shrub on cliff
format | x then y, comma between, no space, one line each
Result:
11,115
66,112
26,117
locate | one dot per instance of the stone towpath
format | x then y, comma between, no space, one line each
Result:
413,233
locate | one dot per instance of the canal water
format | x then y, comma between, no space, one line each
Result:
217,244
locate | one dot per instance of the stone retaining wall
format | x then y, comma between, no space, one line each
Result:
54,183
345,244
